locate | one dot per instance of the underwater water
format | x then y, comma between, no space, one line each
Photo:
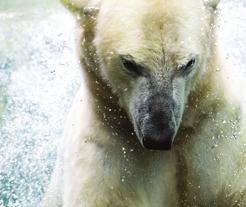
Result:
39,76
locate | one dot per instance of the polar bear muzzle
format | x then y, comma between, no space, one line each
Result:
156,117
158,130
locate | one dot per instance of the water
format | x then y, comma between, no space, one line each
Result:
39,75
232,32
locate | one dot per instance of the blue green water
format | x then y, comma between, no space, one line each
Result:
39,75
7,5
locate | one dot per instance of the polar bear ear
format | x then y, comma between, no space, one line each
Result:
82,7
212,3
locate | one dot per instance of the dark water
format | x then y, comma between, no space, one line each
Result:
39,75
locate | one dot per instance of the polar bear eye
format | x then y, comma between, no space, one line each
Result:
189,66
191,63
131,67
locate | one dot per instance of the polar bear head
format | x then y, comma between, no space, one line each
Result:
152,54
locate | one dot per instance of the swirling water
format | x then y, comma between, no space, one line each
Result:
39,75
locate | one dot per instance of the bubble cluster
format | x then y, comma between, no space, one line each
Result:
232,31
39,76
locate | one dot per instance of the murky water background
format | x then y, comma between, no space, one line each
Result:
39,76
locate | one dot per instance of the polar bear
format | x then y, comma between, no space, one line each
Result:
158,121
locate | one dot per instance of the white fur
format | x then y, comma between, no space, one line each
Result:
100,165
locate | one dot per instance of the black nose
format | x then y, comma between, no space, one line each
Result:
158,142
158,132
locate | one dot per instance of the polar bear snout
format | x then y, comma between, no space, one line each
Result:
156,120
158,131
159,140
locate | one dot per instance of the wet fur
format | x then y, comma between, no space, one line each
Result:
102,164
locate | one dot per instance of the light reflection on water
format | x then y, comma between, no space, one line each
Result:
39,75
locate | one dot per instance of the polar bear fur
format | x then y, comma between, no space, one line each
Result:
101,162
